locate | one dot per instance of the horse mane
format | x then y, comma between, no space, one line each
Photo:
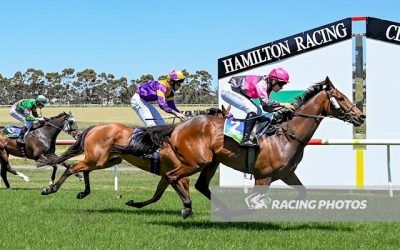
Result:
158,135
214,111
147,139
57,116
308,94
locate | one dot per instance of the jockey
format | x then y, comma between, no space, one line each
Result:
241,89
161,91
25,111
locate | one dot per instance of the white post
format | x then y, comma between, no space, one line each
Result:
116,174
388,170
245,188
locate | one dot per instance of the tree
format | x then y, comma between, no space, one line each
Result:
89,87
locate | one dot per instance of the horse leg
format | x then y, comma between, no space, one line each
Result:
162,185
86,192
78,175
187,203
261,183
5,167
86,178
53,175
81,166
203,182
292,180
4,174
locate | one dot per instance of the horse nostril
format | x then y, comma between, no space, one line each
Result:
363,117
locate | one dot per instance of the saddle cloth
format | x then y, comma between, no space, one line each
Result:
11,131
234,128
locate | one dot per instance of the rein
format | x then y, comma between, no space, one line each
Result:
52,125
312,116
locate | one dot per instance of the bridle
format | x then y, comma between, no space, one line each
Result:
67,126
342,114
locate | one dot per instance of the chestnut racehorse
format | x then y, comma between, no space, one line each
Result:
200,144
102,146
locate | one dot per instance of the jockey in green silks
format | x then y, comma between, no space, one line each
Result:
25,111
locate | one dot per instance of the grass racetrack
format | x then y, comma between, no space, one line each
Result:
29,220
103,221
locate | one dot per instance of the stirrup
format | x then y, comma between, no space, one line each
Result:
247,143
21,140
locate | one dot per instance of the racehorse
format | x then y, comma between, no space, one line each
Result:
97,142
200,143
41,141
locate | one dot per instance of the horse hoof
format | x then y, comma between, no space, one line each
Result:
45,191
186,212
81,195
130,203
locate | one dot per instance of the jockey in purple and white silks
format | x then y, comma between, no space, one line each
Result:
241,89
161,91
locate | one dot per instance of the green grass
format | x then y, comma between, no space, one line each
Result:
102,221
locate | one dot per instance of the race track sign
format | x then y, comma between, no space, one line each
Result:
383,30
284,48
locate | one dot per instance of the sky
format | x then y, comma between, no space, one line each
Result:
133,38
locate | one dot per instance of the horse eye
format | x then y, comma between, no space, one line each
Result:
340,99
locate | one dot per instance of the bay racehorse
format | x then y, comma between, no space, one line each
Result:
200,143
101,146
41,141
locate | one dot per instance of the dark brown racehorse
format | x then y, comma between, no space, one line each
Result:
97,143
41,141
200,144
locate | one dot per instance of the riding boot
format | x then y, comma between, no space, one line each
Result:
21,137
248,127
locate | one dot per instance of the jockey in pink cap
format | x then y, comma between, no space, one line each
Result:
241,89
161,91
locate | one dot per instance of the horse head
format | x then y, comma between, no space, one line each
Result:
334,103
70,125
64,121
341,107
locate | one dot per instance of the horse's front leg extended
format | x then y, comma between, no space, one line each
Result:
203,182
81,166
162,185
292,180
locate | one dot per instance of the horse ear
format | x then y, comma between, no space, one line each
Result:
226,110
327,84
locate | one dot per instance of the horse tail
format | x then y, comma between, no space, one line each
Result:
146,141
76,149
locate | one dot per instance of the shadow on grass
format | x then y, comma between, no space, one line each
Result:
138,211
257,226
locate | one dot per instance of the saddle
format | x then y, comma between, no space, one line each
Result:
265,124
11,132
150,153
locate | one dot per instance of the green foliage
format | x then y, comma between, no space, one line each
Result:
88,86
